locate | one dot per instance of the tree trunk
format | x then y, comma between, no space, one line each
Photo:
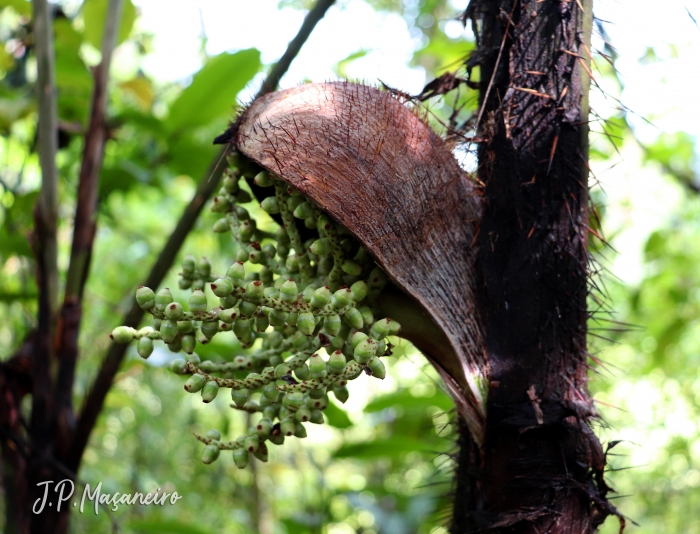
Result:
540,468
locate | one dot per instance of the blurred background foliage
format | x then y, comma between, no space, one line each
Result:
383,463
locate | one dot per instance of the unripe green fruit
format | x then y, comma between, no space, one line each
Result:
228,302
365,351
321,297
367,315
145,297
264,427
220,204
227,316
236,273
316,364
185,327
246,230
306,323
284,413
357,338
263,179
243,197
342,394
230,184
242,329
221,287
277,317
247,309
395,328
316,417
270,205
317,393
195,383
270,391
303,210
303,414
198,284
213,434
163,298
336,362
242,254
292,318
321,247
210,454
221,226
354,318
287,427
342,298
293,202
377,280
175,345
240,458
188,265
276,438
299,430
184,283
337,343
145,347
310,222
242,213
299,340
210,328
380,329
178,366
261,323
302,373
251,443
275,339
193,358
210,391
332,324
289,291
325,264
254,291
359,290
352,268
292,263
198,301
168,330
240,396
282,370
174,311
122,334
381,347
188,342
318,404
204,267
293,399
270,412
377,367
307,293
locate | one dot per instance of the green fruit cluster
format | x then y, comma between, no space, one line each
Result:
306,310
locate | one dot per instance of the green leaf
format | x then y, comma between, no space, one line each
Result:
212,93
380,448
340,68
337,417
407,401
94,16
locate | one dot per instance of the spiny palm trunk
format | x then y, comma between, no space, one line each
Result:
540,469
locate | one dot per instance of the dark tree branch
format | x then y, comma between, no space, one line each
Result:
85,226
45,244
207,185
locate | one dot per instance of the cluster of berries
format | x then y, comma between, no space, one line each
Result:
303,300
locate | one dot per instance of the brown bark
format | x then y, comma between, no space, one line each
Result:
541,465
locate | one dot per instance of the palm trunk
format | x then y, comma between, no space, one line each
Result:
540,469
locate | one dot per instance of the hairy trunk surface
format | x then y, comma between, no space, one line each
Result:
540,468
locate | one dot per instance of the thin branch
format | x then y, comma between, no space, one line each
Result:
44,239
84,229
207,185
282,66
